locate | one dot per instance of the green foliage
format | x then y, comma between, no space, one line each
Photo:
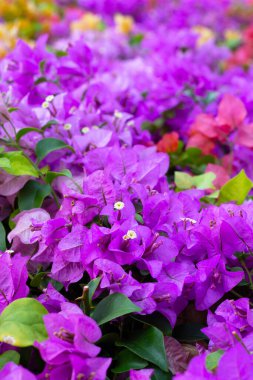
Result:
115,305
24,132
236,189
149,345
15,163
49,145
32,195
50,176
203,181
2,237
21,322
93,284
212,360
127,360
9,356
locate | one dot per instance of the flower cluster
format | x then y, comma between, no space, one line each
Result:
126,215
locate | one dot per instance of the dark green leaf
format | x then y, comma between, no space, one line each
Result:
156,319
212,360
127,360
2,237
9,356
21,322
93,284
49,124
24,131
160,375
112,307
48,145
149,345
50,176
32,195
37,279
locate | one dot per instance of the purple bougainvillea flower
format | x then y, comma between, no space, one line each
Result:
12,371
213,281
142,374
236,363
28,225
13,278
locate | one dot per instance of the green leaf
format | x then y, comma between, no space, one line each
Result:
32,195
18,164
49,124
136,39
149,345
183,180
11,223
50,176
139,218
112,307
21,323
37,279
156,319
160,375
212,360
93,284
127,360
48,145
24,131
12,109
236,189
2,237
9,356
203,181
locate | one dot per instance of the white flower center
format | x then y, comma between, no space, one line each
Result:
131,234
49,98
67,126
85,130
118,114
10,251
45,105
192,221
119,205
9,339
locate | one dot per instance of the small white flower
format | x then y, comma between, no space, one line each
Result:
49,98
67,127
119,205
130,123
85,130
9,339
192,221
131,234
10,251
72,110
118,114
95,127
45,105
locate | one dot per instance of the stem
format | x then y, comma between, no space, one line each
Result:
239,296
248,272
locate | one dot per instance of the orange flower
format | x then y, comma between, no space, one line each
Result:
168,143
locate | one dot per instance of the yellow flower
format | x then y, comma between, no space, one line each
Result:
124,24
205,34
88,21
232,35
